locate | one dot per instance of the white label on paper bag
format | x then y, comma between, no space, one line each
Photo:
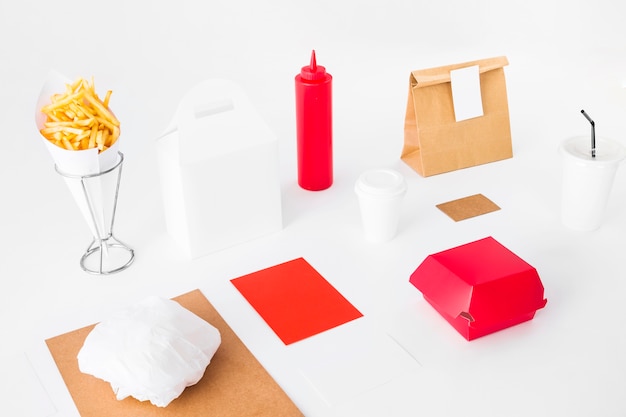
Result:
466,95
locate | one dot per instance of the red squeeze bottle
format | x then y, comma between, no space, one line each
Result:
314,126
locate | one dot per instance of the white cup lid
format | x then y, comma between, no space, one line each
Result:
607,151
382,182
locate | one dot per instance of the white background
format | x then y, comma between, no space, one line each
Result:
564,57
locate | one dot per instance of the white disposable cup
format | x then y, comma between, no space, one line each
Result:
587,181
380,193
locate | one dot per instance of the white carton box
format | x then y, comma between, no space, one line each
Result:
218,164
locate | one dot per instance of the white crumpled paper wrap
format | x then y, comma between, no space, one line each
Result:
151,351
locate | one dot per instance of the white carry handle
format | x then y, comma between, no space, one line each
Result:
208,116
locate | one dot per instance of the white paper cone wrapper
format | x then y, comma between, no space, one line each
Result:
78,163
151,351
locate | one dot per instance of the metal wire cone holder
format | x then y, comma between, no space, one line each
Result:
105,254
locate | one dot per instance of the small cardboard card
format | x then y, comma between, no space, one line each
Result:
295,300
234,384
468,207
218,164
480,287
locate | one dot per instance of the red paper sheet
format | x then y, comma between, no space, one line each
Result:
295,300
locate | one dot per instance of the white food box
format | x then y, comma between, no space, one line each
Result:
218,164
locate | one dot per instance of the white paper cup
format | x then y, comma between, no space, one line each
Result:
380,193
587,181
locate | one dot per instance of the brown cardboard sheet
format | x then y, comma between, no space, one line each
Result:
234,383
467,207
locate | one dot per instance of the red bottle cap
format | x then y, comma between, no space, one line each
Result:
313,72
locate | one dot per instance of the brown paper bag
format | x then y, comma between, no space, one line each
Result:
434,142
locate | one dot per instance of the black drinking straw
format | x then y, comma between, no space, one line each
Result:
593,134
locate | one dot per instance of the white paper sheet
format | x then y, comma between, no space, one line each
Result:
353,358
55,398
38,402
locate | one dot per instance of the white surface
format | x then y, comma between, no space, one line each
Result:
563,57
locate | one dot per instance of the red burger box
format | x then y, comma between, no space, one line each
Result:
480,287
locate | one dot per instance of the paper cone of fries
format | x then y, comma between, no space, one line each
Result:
92,175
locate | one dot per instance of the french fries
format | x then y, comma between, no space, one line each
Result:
77,119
